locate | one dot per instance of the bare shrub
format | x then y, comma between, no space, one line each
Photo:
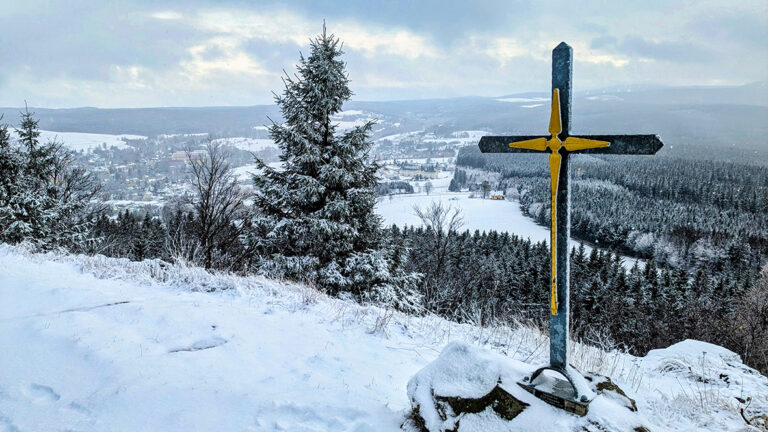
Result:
440,220
381,323
218,203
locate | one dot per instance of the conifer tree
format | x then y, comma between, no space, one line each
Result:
40,158
45,198
317,220
11,189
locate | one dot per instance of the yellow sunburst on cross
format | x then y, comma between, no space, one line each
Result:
554,144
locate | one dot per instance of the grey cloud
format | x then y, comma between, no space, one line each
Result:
663,50
603,42
637,46
275,56
45,46
82,43
447,21
743,28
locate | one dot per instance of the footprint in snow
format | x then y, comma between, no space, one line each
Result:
40,393
201,344
6,425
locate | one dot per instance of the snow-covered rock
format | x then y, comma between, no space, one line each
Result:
468,373
688,354
703,382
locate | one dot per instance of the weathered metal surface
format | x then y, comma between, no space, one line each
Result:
562,76
626,144
572,394
620,144
562,69
557,400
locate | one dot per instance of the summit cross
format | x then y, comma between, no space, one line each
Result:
559,146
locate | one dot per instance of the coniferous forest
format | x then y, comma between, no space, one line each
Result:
686,213
700,226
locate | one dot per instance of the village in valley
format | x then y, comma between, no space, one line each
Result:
143,174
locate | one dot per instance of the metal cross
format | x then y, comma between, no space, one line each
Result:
559,146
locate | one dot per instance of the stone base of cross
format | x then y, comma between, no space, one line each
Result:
575,394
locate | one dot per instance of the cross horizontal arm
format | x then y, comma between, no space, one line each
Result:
625,144
620,144
500,144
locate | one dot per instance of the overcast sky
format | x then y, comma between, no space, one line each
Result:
171,53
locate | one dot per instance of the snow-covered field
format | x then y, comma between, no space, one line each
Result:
87,141
478,214
522,99
244,174
350,119
400,136
97,344
458,138
247,144
200,134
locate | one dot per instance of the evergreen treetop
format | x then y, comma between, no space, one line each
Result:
28,131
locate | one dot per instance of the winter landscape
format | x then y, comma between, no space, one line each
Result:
231,217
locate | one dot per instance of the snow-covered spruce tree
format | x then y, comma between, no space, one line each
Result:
46,198
12,190
316,219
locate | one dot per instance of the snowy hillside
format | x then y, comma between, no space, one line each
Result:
80,141
247,144
98,344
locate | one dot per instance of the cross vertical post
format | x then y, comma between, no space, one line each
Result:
562,73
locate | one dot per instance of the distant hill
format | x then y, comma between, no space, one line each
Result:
150,121
707,118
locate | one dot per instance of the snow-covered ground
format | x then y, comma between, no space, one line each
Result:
458,138
454,139
350,119
400,136
200,134
522,99
244,174
86,141
448,160
247,144
477,214
97,344
128,203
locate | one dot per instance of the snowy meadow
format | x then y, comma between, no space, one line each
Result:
96,340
